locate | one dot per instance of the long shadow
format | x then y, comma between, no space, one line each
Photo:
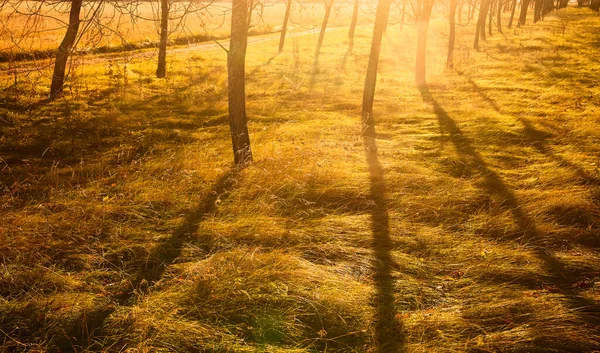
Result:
389,333
560,276
86,331
165,253
261,66
538,139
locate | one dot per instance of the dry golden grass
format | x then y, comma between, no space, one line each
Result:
471,226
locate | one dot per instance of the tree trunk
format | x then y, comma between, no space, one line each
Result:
285,23
64,49
485,10
161,70
512,13
353,25
523,15
381,18
490,15
422,42
328,6
236,85
499,17
480,26
452,35
471,10
537,11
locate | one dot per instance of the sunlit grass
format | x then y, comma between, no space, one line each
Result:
124,226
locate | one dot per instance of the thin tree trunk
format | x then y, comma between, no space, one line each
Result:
523,15
420,69
236,85
452,35
499,17
64,49
381,18
484,17
461,3
285,23
353,25
536,11
471,10
480,26
512,13
161,70
328,6
490,15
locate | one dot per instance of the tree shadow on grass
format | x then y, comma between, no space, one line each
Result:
74,133
169,250
537,139
389,333
561,277
259,67
86,331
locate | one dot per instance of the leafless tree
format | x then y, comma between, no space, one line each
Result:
424,17
381,18
236,83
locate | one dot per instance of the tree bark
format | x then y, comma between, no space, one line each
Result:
537,11
512,13
480,26
285,23
236,85
353,25
64,49
328,6
499,16
381,18
161,69
452,35
471,10
523,15
420,69
490,15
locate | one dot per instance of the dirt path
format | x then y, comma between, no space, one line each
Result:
126,56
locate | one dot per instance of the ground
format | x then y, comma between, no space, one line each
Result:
470,223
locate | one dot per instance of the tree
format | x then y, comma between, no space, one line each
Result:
523,15
65,48
499,17
285,23
236,83
452,35
512,13
480,26
328,6
161,70
353,25
422,42
381,18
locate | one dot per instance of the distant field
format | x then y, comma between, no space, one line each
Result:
120,25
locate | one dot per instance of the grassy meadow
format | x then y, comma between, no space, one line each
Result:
470,224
